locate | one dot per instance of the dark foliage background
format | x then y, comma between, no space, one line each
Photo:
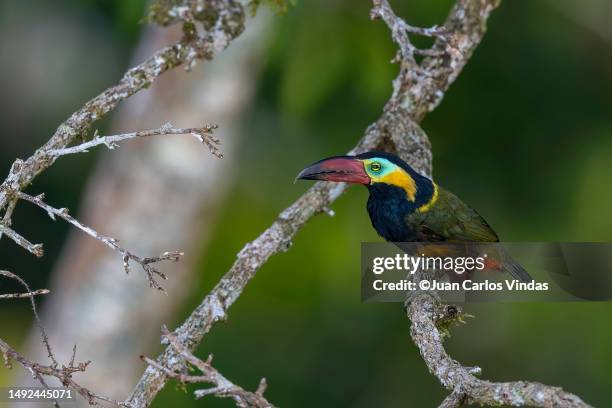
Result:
523,136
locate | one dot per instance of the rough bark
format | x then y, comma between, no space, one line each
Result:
424,312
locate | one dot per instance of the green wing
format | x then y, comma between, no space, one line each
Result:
450,219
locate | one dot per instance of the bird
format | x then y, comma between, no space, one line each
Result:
406,206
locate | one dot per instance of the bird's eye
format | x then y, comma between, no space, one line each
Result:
375,167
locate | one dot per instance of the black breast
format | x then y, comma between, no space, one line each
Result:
388,207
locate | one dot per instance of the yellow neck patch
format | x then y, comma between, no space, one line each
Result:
426,207
401,179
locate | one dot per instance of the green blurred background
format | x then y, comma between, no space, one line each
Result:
523,136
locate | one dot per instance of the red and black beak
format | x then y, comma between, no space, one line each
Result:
348,169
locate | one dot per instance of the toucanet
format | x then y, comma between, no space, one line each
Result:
405,206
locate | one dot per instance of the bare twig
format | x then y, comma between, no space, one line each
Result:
43,333
221,386
36,249
6,218
147,264
24,295
64,373
400,30
204,135
414,95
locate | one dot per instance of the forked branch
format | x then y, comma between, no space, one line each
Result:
147,264
63,373
221,386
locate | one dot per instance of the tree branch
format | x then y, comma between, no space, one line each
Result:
6,218
203,135
43,333
28,294
425,313
35,249
414,95
453,400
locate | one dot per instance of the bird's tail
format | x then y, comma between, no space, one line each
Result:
501,260
517,271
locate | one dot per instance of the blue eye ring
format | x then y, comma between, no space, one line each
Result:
376,167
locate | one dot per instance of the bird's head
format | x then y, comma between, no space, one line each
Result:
372,169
